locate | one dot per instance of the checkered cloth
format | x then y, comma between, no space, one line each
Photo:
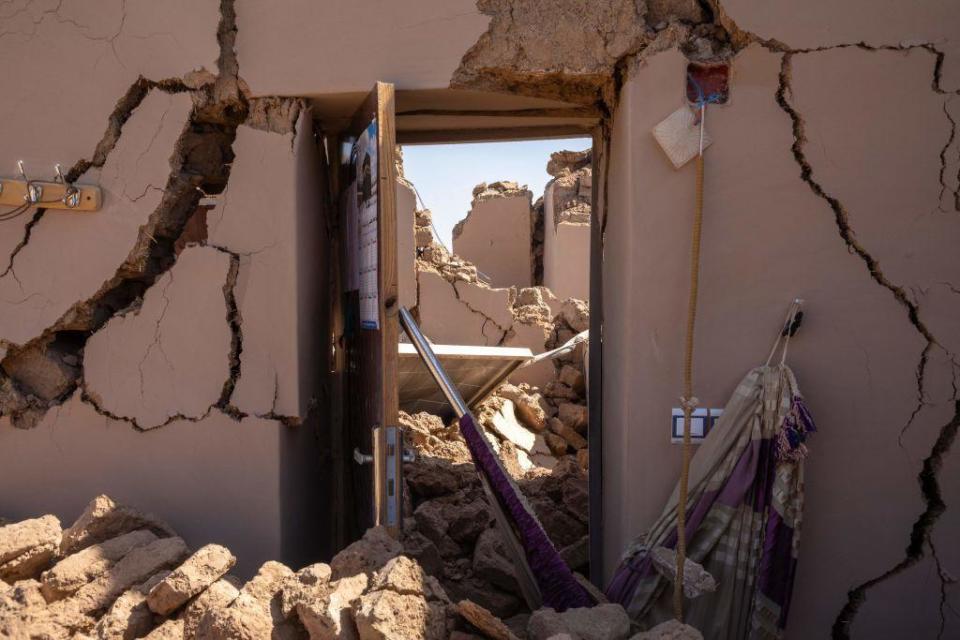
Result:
745,504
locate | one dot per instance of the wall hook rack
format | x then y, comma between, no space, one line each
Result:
49,194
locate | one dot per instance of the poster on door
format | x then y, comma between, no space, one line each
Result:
365,169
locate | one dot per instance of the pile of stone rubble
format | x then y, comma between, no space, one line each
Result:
117,573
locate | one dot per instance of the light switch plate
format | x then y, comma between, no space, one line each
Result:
703,420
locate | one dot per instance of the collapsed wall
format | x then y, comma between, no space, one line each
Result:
566,224
496,234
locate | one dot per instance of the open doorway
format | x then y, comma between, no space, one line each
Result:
481,290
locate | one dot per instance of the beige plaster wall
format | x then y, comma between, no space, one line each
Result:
566,254
344,46
875,130
495,236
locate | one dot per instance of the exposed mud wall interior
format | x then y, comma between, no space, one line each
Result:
166,349
826,181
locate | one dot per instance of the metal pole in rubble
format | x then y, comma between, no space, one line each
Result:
525,578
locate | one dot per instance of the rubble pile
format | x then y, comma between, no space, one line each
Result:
119,574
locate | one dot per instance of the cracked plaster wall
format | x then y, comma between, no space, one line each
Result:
166,349
871,127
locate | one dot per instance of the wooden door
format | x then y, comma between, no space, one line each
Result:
369,317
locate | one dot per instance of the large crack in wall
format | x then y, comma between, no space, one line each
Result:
513,57
928,478
45,370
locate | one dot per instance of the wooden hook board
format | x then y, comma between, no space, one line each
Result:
13,193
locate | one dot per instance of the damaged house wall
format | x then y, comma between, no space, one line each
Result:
167,348
832,176
823,182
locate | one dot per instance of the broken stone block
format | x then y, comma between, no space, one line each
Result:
23,594
583,459
423,550
76,570
136,566
169,630
528,406
27,547
331,617
499,602
403,575
572,377
504,423
129,616
366,555
488,624
490,561
467,521
219,595
569,435
103,519
311,582
256,612
573,415
557,391
432,522
602,622
558,446
670,630
388,615
696,580
576,313
198,572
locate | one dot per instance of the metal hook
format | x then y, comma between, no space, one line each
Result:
34,191
71,195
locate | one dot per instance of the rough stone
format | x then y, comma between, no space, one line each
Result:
573,415
136,566
129,616
568,433
423,550
311,582
76,570
103,519
528,405
219,595
490,561
366,555
256,612
27,547
169,630
488,624
602,622
199,571
388,615
670,630
331,617
572,377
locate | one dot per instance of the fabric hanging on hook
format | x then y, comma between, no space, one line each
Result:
744,514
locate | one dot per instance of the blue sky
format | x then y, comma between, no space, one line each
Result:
445,174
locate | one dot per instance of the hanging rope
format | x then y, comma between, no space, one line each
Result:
688,402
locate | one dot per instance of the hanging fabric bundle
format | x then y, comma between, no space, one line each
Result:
745,497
